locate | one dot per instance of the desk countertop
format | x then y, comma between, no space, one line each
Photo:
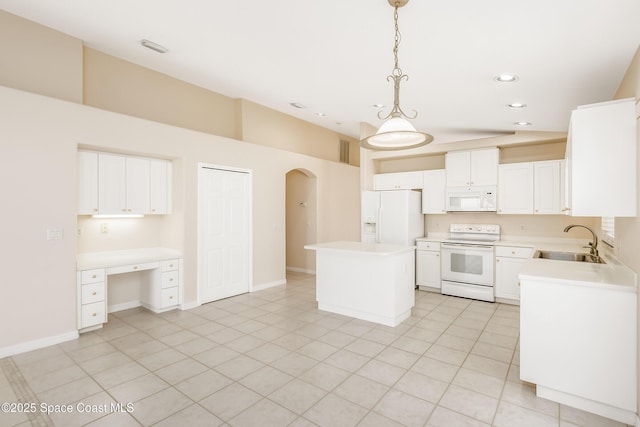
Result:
89,260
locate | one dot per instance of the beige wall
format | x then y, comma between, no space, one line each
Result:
628,229
40,137
39,59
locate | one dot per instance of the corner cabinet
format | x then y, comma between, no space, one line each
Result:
114,184
530,188
601,160
472,168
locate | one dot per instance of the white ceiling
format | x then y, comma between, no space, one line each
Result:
333,56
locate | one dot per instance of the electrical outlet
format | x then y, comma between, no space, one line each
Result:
104,228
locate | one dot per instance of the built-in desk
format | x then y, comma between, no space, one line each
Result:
161,281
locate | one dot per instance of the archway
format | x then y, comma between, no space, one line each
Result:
301,220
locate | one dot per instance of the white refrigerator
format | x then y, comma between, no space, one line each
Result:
392,217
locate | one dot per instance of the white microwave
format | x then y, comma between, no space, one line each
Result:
472,199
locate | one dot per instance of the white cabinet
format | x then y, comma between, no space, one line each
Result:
547,189
92,309
114,184
472,168
434,186
601,160
530,188
159,186
123,184
398,181
578,344
87,183
509,262
161,288
515,188
428,266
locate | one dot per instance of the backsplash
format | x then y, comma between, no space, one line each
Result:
515,225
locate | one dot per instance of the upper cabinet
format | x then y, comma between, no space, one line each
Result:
398,181
530,188
601,160
434,186
472,168
113,184
87,183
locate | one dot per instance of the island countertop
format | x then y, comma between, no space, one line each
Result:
361,247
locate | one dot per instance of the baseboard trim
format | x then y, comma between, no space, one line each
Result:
300,270
37,344
124,306
637,421
189,305
263,286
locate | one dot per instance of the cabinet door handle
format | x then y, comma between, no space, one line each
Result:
497,260
135,267
94,314
171,297
437,254
171,279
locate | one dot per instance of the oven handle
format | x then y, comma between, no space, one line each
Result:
465,245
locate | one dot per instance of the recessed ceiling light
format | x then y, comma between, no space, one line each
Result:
516,105
505,78
153,46
297,105
522,123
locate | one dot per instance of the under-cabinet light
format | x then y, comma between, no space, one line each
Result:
117,216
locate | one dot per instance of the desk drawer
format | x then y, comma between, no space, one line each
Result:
93,314
93,292
170,265
169,297
92,276
170,278
133,267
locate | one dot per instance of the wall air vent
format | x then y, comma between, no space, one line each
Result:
344,151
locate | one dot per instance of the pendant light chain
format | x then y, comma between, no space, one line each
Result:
396,74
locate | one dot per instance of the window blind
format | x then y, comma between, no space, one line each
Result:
608,229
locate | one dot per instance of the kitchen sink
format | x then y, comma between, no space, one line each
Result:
568,256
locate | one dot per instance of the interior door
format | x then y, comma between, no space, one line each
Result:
224,225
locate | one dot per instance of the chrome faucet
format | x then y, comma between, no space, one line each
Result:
594,244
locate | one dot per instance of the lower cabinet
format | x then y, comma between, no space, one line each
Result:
92,309
428,266
509,262
160,292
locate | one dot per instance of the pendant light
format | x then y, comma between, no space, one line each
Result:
397,133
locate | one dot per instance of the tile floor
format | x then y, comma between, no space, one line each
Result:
271,358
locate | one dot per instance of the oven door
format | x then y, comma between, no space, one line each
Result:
466,263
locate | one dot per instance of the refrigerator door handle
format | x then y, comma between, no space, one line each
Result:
379,227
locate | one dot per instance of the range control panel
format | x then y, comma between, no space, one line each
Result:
475,228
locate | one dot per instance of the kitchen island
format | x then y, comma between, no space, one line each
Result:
368,281
578,334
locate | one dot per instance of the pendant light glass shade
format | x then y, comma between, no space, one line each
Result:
394,134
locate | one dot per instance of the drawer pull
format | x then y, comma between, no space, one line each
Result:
94,314
171,279
135,267
171,297
170,265
513,252
94,276
94,293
